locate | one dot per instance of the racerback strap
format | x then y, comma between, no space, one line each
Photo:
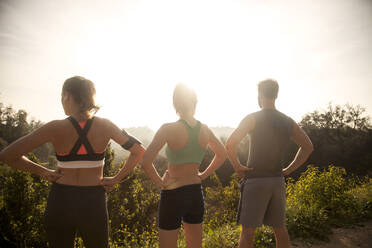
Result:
82,140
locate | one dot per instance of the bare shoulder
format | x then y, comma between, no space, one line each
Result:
248,123
206,131
248,118
103,121
54,125
204,128
47,132
169,126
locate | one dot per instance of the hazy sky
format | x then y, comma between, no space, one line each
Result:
135,51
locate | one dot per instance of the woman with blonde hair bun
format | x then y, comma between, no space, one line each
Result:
181,197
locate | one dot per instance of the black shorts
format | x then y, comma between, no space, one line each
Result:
76,208
185,204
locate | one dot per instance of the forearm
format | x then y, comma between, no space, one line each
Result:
214,165
129,165
300,158
151,172
233,157
26,165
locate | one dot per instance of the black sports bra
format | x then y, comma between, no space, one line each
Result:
82,154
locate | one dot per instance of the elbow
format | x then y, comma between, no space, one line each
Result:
138,152
310,148
228,146
141,152
222,155
146,161
229,149
5,158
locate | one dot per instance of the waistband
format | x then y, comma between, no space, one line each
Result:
280,178
80,164
65,187
185,188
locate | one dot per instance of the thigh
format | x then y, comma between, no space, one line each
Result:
93,221
170,211
168,238
193,234
59,220
255,198
195,207
275,213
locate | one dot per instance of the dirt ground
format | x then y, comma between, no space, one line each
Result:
356,236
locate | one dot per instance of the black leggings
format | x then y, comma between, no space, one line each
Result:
76,208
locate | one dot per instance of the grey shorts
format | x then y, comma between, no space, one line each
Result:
262,201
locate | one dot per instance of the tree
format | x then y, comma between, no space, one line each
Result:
340,135
14,124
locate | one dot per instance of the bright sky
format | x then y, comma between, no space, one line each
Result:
135,51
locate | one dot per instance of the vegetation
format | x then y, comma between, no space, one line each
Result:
319,198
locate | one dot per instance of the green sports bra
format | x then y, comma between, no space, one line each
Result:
192,152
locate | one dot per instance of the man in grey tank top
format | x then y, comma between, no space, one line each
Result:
262,198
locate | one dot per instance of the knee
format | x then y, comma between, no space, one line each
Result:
281,232
248,231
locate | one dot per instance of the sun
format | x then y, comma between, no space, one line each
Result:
137,59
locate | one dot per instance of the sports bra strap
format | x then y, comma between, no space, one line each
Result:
82,140
192,131
189,128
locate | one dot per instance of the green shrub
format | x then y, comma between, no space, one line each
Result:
320,200
226,236
362,195
221,203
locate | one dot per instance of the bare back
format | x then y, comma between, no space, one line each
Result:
177,137
64,137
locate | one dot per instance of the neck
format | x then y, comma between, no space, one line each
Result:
268,104
79,117
187,117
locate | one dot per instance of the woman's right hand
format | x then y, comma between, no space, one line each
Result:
109,182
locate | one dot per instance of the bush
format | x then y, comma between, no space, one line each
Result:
362,195
221,203
316,202
320,200
22,203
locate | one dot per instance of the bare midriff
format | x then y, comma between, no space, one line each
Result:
81,176
181,175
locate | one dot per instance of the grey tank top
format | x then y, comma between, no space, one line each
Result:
268,143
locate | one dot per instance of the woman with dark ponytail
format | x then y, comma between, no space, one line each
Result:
77,199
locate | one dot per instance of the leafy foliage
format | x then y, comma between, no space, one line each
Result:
341,135
23,200
318,200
